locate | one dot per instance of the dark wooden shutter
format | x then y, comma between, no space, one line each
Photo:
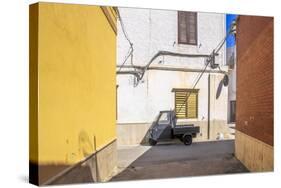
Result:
191,27
182,30
187,27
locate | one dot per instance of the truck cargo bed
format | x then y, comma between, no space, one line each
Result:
183,129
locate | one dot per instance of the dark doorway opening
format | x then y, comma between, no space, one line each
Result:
232,118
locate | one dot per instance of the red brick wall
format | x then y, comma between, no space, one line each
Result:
254,97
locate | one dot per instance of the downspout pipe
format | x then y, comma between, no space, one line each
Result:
209,105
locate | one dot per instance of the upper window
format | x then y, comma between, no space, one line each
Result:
187,27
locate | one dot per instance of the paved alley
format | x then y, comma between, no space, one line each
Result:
169,160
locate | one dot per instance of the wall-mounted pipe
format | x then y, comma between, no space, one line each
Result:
139,71
135,73
168,53
161,68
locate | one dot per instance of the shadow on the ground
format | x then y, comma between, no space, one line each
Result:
145,140
80,174
170,160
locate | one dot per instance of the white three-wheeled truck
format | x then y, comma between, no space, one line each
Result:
165,128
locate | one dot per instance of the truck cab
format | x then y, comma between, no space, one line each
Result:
165,128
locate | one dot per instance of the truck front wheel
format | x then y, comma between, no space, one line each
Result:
152,142
187,139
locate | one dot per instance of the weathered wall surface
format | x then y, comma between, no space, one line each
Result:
151,31
74,72
158,31
137,133
142,104
256,155
255,92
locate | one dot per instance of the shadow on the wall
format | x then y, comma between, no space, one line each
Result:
63,173
219,89
224,82
145,140
82,173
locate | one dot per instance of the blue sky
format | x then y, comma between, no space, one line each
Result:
230,41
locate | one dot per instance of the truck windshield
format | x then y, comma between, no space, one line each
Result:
164,117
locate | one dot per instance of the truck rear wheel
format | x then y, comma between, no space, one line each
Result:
152,142
187,139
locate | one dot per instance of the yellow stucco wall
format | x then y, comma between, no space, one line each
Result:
76,82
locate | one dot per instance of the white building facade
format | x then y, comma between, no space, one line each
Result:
170,76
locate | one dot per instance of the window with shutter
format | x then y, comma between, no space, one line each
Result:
186,103
187,27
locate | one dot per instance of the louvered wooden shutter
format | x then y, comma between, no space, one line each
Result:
186,107
192,105
180,104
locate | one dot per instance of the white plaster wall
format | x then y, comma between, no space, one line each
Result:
151,31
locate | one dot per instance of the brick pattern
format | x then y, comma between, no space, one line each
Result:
255,77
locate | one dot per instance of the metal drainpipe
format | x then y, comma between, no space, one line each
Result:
209,81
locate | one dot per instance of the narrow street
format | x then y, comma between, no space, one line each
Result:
112,83
169,160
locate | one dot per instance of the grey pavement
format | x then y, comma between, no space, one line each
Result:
168,160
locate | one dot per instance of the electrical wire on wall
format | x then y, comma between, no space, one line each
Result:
210,60
131,49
